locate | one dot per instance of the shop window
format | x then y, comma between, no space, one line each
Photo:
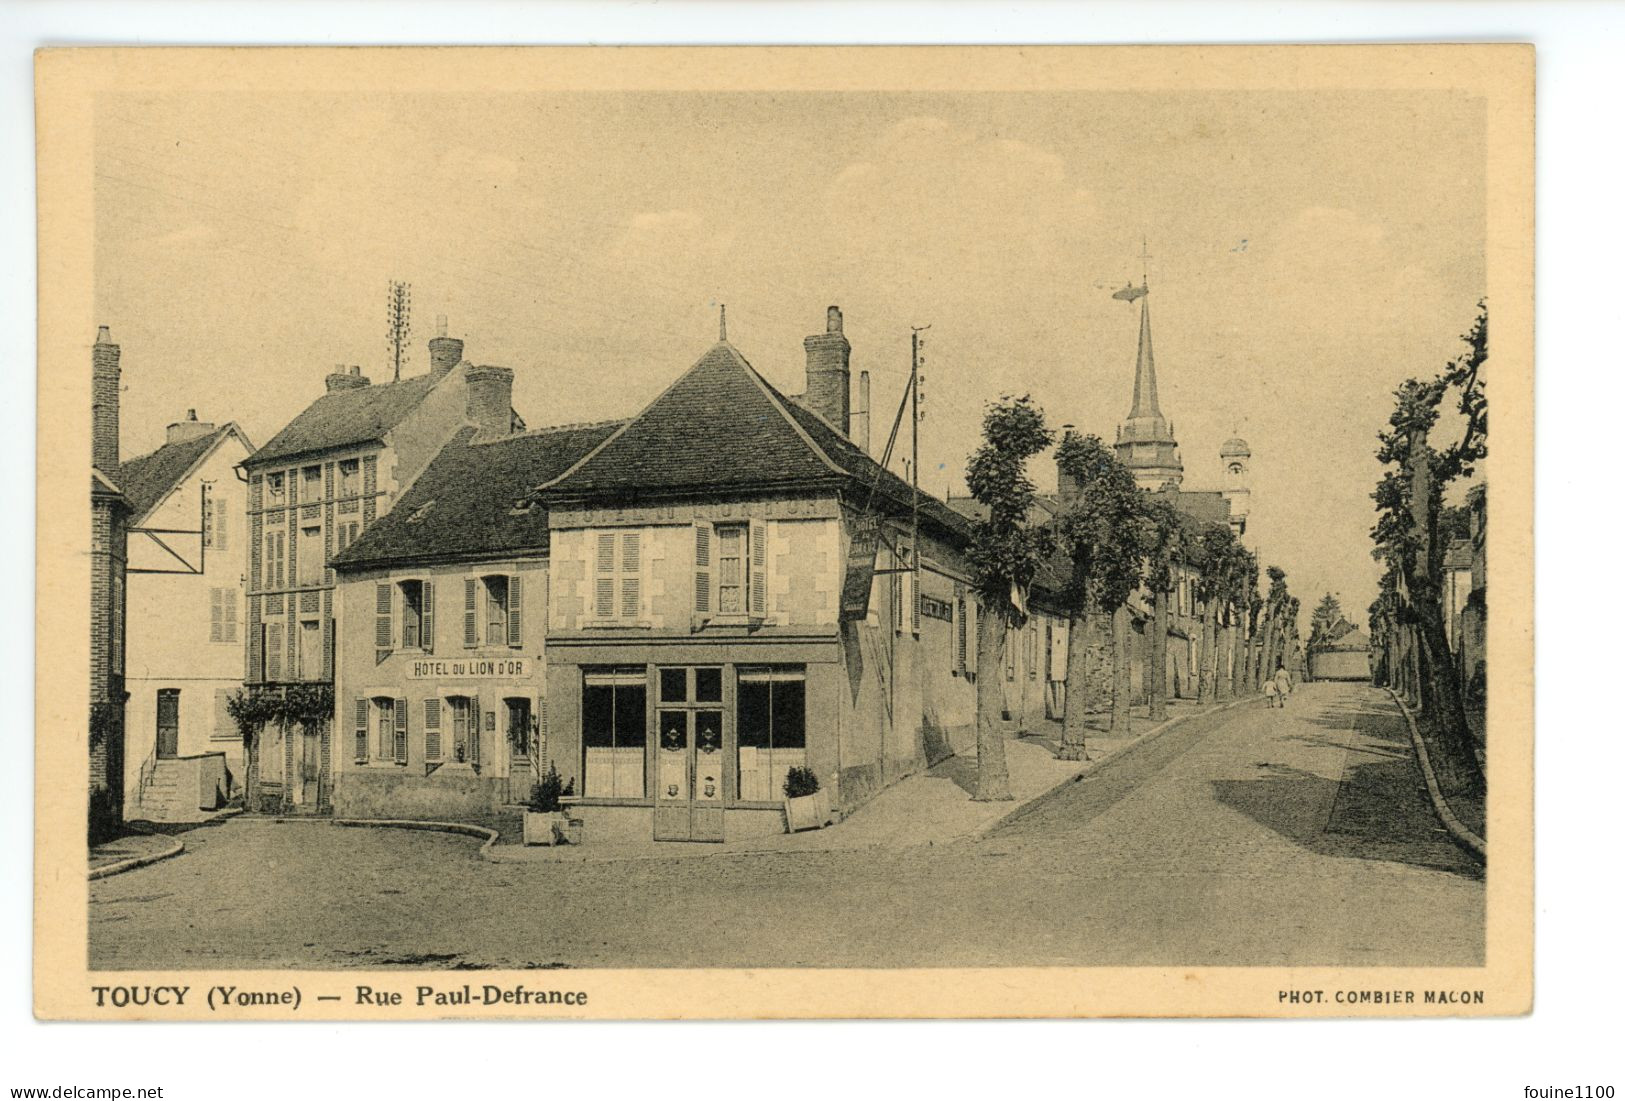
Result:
772,729
614,733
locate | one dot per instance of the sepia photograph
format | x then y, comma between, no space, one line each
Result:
850,515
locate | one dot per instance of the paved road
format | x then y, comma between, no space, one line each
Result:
1249,836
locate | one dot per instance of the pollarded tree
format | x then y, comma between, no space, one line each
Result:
1242,607
1005,554
1409,537
1212,586
1169,530
1106,533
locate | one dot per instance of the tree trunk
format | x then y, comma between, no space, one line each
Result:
1156,664
1226,651
251,771
1074,726
992,775
1238,663
1262,657
1205,653
1122,674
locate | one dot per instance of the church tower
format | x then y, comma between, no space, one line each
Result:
1145,440
1236,457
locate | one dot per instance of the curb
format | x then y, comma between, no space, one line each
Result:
1461,833
489,836
132,863
1103,760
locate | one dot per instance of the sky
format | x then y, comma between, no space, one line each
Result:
1308,252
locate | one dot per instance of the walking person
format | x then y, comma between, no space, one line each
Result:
1283,685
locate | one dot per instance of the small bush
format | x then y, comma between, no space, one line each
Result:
545,795
799,782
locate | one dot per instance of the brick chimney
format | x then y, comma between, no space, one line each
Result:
346,378
189,429
829,373
490,400
104,399
445,352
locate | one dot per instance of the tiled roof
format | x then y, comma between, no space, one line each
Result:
148,479
1209,506
464,502
722,426
718,426
344,418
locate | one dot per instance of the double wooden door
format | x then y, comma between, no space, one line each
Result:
688,775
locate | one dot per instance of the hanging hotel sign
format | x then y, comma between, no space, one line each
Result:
860,568
453,668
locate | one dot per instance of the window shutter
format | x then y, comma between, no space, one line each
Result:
702,568
516,610
897,585
216,615
222,523
385,631
973,638
604,575
471,626
273,652
360,729
631,574
758,569
426,620
228,617
476,723
400,732
431,729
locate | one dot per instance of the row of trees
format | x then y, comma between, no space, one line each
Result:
1111,541
1414,527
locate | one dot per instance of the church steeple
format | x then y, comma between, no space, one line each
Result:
1145,368
1145,439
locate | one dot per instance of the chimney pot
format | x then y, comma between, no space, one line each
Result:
102,336
189,429
832,320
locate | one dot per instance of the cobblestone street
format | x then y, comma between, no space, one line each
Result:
1249,836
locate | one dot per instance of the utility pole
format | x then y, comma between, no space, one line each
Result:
914,471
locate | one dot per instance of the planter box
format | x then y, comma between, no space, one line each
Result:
808,812
543,828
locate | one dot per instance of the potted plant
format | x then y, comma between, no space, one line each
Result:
545,820
806,805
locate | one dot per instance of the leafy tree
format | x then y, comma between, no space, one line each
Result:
1411,539
1106,533
1005,554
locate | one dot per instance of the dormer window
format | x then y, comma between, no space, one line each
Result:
421,511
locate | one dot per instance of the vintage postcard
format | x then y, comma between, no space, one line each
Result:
785,532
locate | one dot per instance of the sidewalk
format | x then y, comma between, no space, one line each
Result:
931,808
133,849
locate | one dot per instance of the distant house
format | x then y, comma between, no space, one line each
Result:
1342,653
188,560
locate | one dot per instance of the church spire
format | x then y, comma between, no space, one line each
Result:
1145,368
